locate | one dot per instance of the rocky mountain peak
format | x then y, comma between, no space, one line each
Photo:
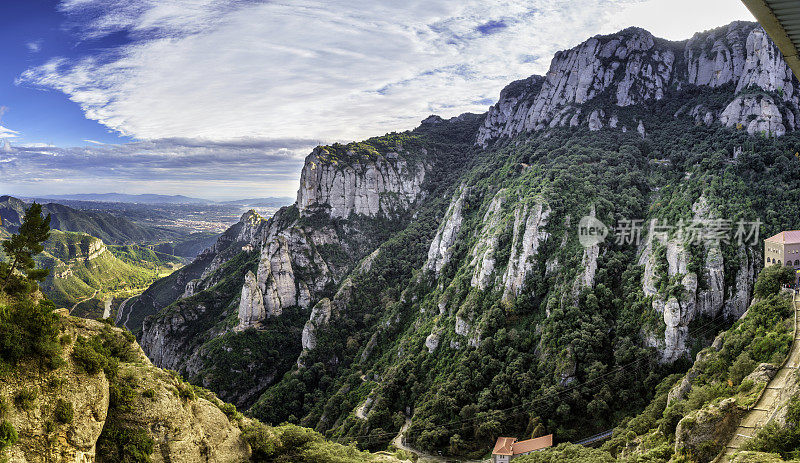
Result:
632,67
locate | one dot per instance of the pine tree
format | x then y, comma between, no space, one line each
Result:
21,248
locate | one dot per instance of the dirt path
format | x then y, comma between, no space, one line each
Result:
83,300
773,398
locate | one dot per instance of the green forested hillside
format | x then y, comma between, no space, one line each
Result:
543,352
85,273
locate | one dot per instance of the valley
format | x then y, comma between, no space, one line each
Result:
602,267
436,275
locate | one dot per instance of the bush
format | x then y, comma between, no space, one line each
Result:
124,445
264,442
103,352
29,331
772,279
8,435
123,397
25,399
149,393
64,411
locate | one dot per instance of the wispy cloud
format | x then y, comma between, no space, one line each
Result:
334,69
247,165
34,46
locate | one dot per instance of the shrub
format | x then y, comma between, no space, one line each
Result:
124,445
25,399
229,410
185,392
103,352
771,279
123,397
8,435
64,411
264,442
149,393
28,331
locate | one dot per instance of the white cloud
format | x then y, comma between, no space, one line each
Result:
5,132
206,168
34,46
333,70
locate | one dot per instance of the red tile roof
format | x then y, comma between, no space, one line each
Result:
786,237
504,446
510,446
530,445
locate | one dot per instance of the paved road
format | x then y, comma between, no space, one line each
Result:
773,398
399,442
121,312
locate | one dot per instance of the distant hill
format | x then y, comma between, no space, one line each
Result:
168,199
109,228
260,202
84,272
126,198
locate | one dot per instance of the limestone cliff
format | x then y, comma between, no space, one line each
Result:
701,295
354,183
632,67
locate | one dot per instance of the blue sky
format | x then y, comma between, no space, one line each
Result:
33,31
224,98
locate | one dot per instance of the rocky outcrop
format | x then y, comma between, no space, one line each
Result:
755,113
283,253
483,254
187,427
705,432
352,183
529,233
627,63
324,310
251,304
710,301
632,67
320,315
441,248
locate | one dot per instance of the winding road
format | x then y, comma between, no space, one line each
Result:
121,311
83,300
399,442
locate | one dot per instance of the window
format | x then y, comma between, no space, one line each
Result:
796,263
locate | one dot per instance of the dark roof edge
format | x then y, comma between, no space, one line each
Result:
771,23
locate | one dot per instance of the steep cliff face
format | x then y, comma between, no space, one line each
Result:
201,274
369,184
703,294
290,269
632,68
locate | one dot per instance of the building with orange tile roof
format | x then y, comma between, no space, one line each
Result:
508,448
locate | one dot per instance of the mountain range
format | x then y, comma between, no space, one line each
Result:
437,287
167,199
432,282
